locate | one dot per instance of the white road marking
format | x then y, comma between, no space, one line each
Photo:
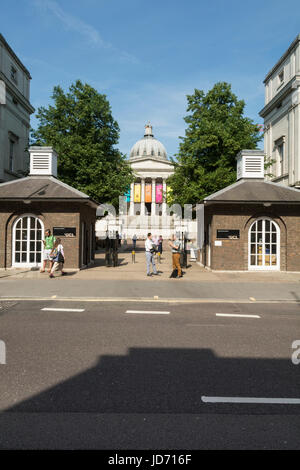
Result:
46,309
237,315
151,312
275,401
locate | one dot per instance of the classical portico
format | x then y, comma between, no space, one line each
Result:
148,159
147,196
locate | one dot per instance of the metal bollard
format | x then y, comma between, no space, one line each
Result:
133,256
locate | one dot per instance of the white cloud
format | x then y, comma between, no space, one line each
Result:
91,34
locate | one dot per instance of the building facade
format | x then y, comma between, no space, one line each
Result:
15,111
252,225
30,205
146,201
281,116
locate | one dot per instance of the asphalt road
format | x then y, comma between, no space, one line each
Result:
106,377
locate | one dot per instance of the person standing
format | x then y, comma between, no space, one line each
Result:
48,247
150,251
160,243
134,238
175,244
58,256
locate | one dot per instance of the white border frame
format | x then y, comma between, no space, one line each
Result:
264,268
25,265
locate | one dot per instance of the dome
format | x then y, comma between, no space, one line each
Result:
148,146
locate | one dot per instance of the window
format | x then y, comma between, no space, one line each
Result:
264,245
280,77
11,155
280,149
14,74
280,156
27,241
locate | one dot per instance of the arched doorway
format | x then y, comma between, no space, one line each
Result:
27,246
264,245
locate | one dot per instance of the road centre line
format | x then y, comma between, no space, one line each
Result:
151,312
46,309
274,401
237,315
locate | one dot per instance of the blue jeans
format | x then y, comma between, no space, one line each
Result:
150,260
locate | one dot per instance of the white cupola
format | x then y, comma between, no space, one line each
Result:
148,146
250,164
43,161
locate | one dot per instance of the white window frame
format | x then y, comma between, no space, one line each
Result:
27,263
281,162
264,267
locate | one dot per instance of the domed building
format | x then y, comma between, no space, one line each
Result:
146,199
150,164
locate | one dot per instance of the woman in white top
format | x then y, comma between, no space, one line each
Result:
58,256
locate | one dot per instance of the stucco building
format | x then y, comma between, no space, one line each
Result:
281,115
15,111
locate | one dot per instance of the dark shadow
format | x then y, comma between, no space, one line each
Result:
164,380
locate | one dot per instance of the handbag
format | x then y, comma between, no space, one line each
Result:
59,258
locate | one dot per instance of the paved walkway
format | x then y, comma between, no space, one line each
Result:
127,270
129,281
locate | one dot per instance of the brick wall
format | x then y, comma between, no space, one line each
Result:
52,214
233,254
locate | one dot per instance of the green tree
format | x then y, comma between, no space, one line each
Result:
82,130
217,130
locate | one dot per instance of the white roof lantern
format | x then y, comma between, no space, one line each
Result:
250,164
43,161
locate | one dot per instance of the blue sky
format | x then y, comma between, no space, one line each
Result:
146,56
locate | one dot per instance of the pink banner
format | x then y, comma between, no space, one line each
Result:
159,193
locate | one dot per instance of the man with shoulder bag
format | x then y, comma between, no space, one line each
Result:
150,252
175,244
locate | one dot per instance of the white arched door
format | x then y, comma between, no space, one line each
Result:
264,245
27,246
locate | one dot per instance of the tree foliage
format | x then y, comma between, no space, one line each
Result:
80,126
217,130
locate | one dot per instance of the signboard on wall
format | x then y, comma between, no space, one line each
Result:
228,234
68,232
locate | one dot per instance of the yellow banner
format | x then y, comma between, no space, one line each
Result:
169,194
137,193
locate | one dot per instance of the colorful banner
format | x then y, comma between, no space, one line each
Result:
148,192
159,193
137,192
127,195
169,194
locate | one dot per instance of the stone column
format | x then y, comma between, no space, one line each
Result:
142,196
153,205
131,207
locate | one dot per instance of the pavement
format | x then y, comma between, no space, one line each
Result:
113,375
128,281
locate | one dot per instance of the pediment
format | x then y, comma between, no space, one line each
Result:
151,164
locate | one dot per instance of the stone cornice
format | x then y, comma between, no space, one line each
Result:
282,58
292,84
17,94
15,57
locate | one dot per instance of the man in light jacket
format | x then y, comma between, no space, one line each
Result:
150,251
